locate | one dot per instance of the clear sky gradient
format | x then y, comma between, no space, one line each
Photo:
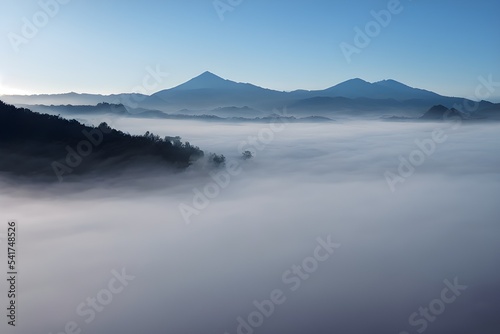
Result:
97,46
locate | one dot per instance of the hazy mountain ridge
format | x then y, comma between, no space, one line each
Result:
71,98
209,94
225,114
100,108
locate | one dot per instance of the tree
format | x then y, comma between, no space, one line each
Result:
217,160
247,155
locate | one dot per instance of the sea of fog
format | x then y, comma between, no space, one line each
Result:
342,227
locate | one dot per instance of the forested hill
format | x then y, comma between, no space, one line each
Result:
33,144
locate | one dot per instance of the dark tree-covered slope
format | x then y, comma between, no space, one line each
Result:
33,144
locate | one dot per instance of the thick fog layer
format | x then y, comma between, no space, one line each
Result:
352,227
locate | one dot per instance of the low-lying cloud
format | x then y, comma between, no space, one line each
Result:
312,180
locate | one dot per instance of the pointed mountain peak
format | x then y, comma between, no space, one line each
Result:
351,84
357,80
438,108
440,112
206,80
208,74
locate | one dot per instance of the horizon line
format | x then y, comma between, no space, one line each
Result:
208,72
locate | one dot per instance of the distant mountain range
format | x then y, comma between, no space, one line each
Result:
70,99
226,114
211,94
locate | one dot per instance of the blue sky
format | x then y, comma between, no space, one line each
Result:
105,47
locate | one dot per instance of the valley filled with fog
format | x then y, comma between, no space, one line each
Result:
410,207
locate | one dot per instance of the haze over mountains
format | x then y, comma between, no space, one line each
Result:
209,94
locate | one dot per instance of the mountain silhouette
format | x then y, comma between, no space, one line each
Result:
208,80
207,92
440,112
